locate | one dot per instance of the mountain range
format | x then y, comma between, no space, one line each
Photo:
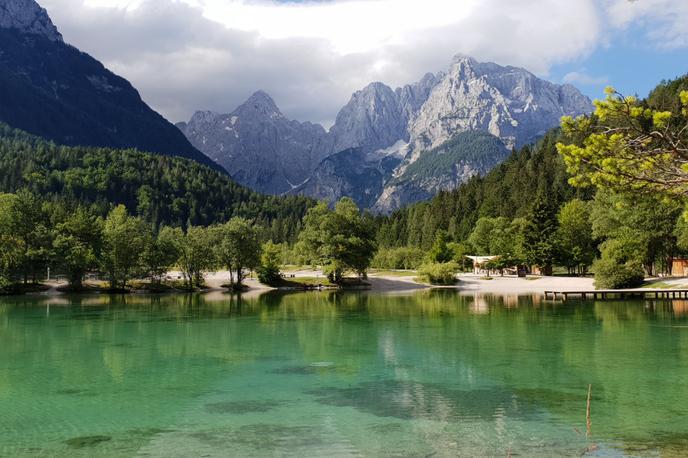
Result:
387,147
370,152
53,90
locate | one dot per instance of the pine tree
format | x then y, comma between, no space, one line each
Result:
539,234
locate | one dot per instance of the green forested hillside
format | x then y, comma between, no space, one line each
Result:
55,91
509,190
162,189
623,217
479,149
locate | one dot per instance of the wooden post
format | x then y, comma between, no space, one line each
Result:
588,422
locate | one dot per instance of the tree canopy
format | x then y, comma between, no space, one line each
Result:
632,144
160,189
339,240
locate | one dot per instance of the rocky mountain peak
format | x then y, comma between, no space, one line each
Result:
260,103
372,119
203,117
28,17
413,96
460,57
370,153
371,90
508,102
258,145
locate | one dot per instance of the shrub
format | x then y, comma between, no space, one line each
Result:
268,275
4,282
610,274
269,270
441,273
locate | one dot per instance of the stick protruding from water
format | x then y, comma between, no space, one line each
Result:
588,423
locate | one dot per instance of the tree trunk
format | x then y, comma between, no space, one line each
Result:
76,279
188,279
240,276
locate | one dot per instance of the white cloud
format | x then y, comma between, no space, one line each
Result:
185,55
350,26
665,21
581,77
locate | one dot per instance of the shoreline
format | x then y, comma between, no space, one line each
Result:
387,281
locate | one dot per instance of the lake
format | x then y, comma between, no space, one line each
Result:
426,374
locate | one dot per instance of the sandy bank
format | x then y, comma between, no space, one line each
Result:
402,282
515,285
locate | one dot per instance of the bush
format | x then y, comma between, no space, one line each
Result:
268,275
609,274
440,273
269,270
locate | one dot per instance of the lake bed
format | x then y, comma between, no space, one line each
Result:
430,373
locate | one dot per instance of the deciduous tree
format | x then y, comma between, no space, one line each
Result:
238,248
269,270
339,239
124,243
77,244
197,254
162,252
575,245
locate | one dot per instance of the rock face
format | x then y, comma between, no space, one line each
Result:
412,97
373,119
258,146
381,133
510,103
351,173
444,167
54,91
28,17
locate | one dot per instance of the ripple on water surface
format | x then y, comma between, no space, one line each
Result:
326,374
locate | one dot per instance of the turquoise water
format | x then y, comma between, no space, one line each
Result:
430,374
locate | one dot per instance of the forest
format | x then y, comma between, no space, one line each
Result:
604,193
161,189
36,235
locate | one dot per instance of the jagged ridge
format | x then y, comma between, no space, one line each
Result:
508,102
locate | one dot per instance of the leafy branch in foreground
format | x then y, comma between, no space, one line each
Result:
629,144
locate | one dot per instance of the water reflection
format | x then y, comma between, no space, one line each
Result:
421,370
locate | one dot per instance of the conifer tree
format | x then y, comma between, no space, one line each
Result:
538,239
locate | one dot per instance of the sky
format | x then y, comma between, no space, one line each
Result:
310,56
